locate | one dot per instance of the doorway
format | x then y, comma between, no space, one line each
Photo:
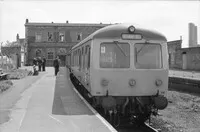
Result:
62,60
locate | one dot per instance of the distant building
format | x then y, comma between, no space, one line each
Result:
52,39
190,58
183,58
174,56
13,51
192,35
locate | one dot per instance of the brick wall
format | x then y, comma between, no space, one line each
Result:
175,59
193,58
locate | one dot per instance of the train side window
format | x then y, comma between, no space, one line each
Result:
72,59
79,58
83,58
76,57
88,64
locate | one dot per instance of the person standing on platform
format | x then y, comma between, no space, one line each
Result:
43,63
34,61
39,63
56,65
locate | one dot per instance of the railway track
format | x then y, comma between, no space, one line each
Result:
125,128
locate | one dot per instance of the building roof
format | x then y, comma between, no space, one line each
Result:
175,42
67,24
21,41
197,47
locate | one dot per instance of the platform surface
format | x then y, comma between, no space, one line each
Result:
52,105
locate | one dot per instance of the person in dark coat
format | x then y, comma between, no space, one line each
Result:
43,63
39,63
56,65
34,61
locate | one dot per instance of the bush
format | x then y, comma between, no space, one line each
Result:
18,73
4,85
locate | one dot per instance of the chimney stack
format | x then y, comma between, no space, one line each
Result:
26,20
192,35
17,37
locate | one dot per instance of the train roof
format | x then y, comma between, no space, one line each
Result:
114,31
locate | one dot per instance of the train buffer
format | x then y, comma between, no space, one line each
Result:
52,105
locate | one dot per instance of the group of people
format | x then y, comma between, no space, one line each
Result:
41,63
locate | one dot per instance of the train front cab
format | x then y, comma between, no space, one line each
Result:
124,78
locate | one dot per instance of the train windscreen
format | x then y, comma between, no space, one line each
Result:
148,56
115,55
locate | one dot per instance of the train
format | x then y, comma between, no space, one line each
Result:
123,70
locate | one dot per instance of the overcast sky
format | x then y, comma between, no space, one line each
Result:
168,17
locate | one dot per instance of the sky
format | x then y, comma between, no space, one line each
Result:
171,18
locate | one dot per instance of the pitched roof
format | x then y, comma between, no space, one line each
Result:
67,24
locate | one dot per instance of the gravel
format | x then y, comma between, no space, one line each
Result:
181,115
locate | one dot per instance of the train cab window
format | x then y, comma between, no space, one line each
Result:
115,55
148,56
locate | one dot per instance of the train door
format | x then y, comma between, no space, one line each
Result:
87,65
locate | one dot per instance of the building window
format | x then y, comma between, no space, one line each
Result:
61,36
38,53
50,36
50,55
79,36
38,37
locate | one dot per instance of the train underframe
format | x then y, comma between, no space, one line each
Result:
123,110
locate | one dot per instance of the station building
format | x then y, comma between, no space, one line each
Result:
54,39
13,51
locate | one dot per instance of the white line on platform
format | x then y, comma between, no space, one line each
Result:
95,112
56,120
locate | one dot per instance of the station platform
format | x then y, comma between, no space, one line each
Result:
193,75
188,81
53,105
